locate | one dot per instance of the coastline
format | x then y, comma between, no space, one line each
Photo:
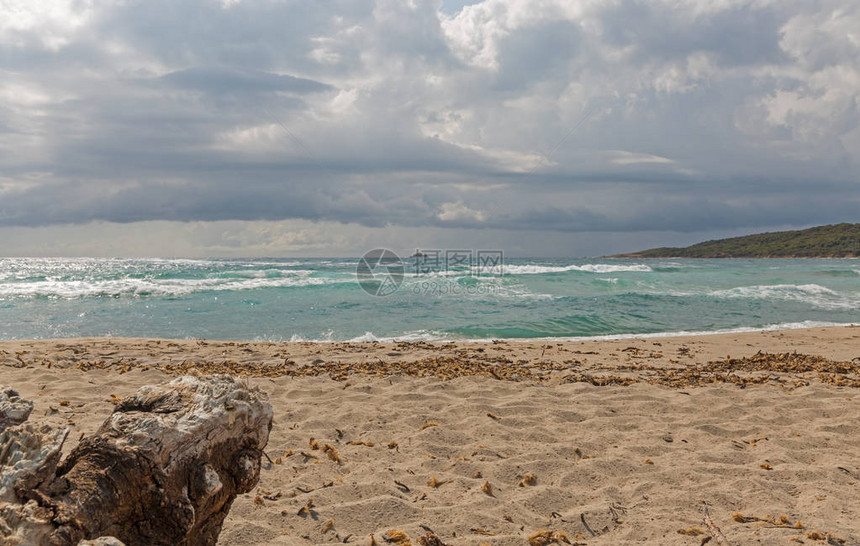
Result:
370,338
627,435
733,257
826,341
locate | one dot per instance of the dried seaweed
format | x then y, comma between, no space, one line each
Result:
789,370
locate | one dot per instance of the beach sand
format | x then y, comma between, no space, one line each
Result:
608,442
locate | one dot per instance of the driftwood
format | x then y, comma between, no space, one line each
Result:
14,410
718,535
164,468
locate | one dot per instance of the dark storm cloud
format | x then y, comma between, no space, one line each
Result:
563,116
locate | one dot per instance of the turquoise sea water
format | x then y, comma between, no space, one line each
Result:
319,299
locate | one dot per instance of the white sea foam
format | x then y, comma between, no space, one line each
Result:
768,291
679,333
266,273
152,287
815,294
368,336
485,288
265,263
535,269
431,335
418,335
327,336
532,269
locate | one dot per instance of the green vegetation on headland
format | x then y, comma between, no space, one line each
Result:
833,241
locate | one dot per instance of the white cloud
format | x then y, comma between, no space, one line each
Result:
458,211
50,23
621,157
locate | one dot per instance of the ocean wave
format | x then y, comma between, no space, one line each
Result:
814,294
441,336
263,273
470,287
256,263
851,273
367,337
418,335
152,287
766,291
295,338
681,333
531,269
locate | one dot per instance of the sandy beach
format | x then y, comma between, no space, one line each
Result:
600,442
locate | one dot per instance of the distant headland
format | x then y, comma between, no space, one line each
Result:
831,241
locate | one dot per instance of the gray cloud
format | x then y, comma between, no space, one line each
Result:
221,81
738,35
503,116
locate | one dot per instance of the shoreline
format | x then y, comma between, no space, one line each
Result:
718,257
805,325
415,338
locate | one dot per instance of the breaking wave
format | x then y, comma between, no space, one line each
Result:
590,268
814,294
72,289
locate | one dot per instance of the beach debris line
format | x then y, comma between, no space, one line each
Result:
789,369
164,468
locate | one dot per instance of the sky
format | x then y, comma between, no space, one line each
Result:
327,128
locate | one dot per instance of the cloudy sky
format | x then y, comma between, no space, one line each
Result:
541,127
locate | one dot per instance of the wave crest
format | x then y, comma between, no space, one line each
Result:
152,287
531,269
815,294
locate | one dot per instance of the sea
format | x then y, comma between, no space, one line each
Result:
340,299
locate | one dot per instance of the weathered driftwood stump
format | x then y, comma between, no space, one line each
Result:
164,468
14,410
